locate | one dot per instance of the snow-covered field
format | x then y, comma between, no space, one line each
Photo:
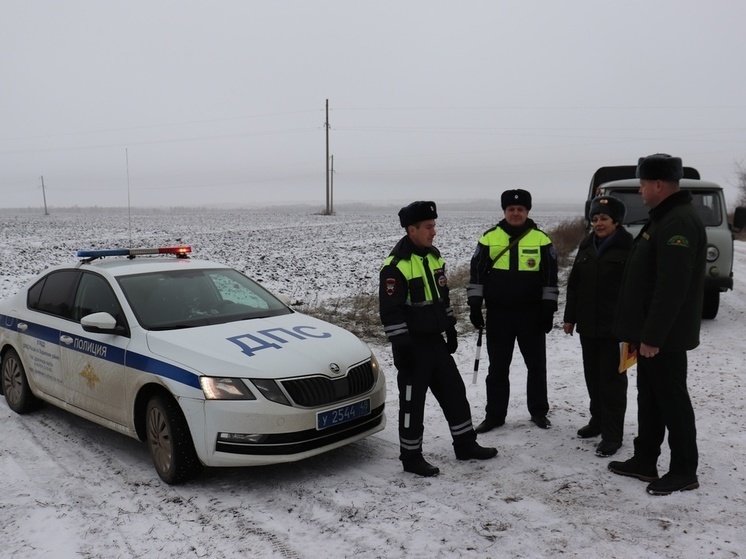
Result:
72,489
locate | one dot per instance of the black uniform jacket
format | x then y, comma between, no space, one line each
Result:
513,288
414,314
595,281
661,298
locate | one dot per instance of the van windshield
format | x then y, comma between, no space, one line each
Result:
707,203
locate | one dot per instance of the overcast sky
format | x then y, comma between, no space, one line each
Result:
223,102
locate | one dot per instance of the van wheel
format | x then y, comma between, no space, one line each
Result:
15,384
710,303
170,442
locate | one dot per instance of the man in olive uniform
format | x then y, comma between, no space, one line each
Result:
514,271
659,312
416,311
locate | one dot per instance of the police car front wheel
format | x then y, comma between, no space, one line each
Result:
170,442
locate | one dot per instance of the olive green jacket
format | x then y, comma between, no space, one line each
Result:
594,283
661,298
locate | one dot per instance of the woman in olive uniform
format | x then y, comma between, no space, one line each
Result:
592,293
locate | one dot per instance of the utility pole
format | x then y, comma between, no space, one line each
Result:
328,211
331,188
44,194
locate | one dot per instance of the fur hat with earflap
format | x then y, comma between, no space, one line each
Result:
613,207
416,212
516,197
660,167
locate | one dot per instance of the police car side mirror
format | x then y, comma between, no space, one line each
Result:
100,323
284,299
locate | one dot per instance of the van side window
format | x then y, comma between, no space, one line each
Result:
707,205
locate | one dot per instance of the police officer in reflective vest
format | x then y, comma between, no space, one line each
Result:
416,311
514,271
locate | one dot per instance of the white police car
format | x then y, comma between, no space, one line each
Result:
191,356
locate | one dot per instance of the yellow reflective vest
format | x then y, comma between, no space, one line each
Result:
412,301
525,274
529,250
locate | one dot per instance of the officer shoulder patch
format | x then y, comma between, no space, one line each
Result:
390,286
679,241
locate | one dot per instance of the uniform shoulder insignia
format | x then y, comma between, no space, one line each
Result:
390,286
679,241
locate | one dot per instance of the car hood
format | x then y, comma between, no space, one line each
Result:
285,346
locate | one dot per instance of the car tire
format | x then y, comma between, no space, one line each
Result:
170,442
16,389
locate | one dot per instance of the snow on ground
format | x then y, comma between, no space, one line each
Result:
72,489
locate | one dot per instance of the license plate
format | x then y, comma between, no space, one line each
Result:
330,418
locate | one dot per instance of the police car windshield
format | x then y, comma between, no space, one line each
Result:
184,298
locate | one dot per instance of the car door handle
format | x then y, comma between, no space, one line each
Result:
22,326
66,340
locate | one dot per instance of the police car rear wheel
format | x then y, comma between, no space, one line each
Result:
170,442
15,384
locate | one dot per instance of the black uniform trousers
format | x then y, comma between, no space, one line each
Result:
433,368
663,403
607,387
505,325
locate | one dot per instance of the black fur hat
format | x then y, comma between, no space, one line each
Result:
416,212
660,166
613,207
516,197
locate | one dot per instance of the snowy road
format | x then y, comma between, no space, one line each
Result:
72,489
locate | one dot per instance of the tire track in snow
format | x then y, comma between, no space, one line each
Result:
43,456
113,486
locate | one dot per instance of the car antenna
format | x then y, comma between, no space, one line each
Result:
129,206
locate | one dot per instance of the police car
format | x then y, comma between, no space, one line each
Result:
191,356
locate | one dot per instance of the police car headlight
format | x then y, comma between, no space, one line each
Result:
217,388
271,391
374,365
712,253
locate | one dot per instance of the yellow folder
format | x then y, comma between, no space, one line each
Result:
627,357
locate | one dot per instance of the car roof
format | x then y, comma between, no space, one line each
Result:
124,266
620,172
686,184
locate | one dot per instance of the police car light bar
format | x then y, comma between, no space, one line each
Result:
181,252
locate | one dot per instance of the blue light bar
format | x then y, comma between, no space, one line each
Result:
101,253
181,251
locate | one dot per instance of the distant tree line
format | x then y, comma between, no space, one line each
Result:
741,177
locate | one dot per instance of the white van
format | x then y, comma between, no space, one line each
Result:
708,198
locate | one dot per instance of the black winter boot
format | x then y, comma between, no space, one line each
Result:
474,451
589,431
670,483
634,467
489,424
418,465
